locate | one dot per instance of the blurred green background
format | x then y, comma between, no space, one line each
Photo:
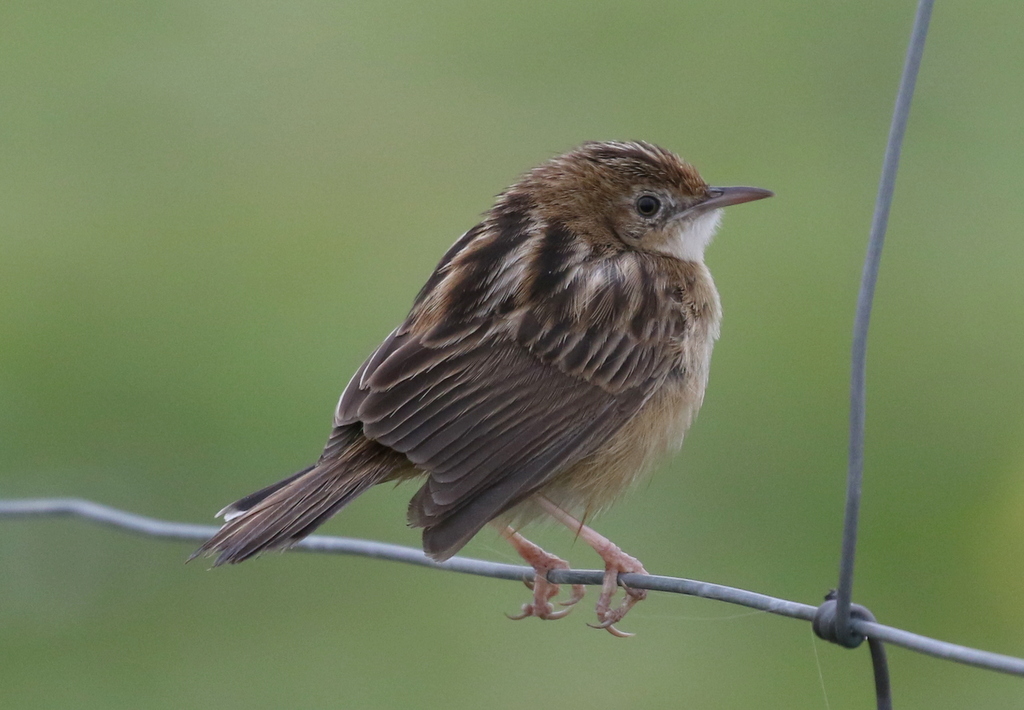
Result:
211,212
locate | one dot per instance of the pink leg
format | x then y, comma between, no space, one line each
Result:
543,590
615,562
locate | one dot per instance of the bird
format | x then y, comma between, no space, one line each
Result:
558,349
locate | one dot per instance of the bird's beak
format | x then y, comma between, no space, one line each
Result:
725,196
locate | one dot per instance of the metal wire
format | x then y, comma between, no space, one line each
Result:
152,527
876,241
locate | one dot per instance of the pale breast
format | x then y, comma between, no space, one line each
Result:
596,481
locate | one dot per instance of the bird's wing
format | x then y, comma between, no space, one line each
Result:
494,408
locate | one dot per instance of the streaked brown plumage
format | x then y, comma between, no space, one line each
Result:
558,348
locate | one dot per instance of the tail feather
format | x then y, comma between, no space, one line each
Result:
242,505
283,513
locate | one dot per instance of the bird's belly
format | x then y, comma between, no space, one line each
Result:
596,481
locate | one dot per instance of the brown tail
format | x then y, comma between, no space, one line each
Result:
283,513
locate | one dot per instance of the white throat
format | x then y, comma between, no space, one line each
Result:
692,237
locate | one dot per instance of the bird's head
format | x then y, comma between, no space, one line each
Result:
631,195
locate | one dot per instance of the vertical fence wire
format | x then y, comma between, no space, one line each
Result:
865,298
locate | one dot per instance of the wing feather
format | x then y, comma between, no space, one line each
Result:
494,402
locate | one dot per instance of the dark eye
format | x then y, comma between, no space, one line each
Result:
648,205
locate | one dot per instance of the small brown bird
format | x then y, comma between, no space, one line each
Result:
558,348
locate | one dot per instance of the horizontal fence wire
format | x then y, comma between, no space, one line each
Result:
153,527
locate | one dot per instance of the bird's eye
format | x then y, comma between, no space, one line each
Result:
648,205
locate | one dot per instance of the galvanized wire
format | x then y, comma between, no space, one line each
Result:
153,527
855,472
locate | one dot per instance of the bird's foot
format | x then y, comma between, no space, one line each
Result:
616,562
543,590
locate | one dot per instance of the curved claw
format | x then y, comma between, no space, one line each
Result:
607,626
533,610
543,591
612,616
578,592
526,611
552,615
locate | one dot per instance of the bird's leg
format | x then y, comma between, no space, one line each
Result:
543,590
615,562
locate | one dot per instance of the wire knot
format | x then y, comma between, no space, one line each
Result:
824,623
